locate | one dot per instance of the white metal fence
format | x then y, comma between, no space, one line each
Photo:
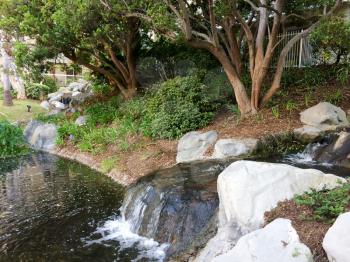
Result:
64,79
299,55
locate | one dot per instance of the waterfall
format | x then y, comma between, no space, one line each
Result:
163,213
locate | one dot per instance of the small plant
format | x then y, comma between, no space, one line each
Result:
11,140
335,98
343,74
327,205
275,112
234,110
290,106
108,164
307,99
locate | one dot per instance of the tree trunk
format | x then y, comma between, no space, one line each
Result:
6,79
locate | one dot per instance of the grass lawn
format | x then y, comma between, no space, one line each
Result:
18,112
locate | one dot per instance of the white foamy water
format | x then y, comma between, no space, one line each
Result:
120,230
306,157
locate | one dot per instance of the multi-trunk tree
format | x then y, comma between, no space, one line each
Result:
5,70
91,33
230,29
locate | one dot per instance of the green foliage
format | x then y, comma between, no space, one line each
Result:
11,140
39,91
108,164
179,105
327,205
102,113
290,106
331,40
335,98
276,112
96,140
280,144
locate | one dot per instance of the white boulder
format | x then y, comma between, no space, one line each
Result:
57,96
234,147
41,136
337,240
193,146
324,116
248,189
45,105
277,242
58,105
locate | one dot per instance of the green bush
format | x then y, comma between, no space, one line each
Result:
102,113
96,140
39,91
327,205
11,140
178,105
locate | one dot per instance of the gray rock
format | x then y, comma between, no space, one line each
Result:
58,105
338,152
55,97
45,105
78,86
337,239
324,116
81,121
193,146
41,136
308,134
276,242
234,147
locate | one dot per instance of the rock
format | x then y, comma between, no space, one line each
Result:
58,105
193,146
55,97
324,116
77,86
41,136
338,152
248,189
81,121
76,94
337,239
234,147
277,242
45,105
308,134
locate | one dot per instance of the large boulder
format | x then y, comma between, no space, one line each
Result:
248,189
338,152
194,146
337,240
276,242
308,134
324,116
234,147
58,105
41,136
79,86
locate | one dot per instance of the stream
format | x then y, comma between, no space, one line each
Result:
52,209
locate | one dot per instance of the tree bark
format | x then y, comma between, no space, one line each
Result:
6,78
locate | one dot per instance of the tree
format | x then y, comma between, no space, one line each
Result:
4,47
91,33
229,29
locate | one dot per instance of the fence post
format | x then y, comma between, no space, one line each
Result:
301,51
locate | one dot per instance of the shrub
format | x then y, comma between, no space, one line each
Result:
179,105
102,113
11,140
38,91
327,205
95,141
